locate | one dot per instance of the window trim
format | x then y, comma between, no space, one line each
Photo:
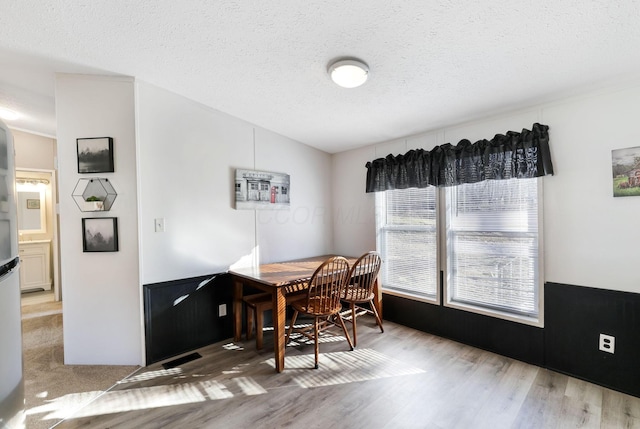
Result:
411,296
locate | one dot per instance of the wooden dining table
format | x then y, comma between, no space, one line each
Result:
279,279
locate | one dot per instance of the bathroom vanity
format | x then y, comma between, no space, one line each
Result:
35,265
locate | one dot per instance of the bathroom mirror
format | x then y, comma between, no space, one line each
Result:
31,211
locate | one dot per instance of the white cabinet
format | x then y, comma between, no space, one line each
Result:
35,265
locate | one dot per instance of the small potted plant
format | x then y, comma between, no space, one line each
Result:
94,203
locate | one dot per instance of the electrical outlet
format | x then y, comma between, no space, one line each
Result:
159,224
607,343
222,310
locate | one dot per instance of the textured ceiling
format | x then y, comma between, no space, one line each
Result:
433,63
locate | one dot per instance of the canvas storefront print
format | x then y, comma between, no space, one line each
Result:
262,190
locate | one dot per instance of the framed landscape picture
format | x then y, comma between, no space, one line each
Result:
95,155
100,234
625,165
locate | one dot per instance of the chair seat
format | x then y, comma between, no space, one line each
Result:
357,294
314,308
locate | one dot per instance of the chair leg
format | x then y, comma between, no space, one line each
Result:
259,328
344,329
353,322
293,321
375,313
317,342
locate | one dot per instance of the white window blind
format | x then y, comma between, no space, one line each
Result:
492,245
407,239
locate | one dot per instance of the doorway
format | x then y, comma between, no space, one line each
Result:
38,235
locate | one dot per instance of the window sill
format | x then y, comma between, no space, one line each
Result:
526,320
411,296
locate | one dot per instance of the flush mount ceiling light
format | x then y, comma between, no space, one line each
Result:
348,73
8,114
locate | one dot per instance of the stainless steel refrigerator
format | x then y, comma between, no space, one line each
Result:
11,373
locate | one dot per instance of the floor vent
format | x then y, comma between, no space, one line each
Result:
181,360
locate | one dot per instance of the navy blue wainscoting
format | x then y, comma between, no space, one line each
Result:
515,340
575,318
182,315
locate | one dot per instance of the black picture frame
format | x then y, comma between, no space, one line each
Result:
100,234
95,155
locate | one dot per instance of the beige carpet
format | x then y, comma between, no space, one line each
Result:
54,390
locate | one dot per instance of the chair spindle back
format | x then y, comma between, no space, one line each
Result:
363,275
327,284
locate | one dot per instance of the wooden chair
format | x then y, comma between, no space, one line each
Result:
363,275
322,300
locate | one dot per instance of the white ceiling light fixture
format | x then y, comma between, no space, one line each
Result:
8,114
348,73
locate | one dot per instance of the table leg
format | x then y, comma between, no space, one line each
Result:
279,325
237,310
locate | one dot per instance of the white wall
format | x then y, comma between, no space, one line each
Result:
590,237
174,159
187,156
353,221
34,151
102,310
305,229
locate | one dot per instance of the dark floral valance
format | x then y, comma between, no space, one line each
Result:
513,155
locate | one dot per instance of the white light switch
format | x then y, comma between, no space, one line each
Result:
222,310
160,224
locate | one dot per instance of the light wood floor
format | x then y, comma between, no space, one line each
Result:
30,298
400,379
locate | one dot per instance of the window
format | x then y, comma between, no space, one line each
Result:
407,239
489,245
492,245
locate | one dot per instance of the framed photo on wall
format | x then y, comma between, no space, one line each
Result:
95,155
100,234
262,190
625,164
